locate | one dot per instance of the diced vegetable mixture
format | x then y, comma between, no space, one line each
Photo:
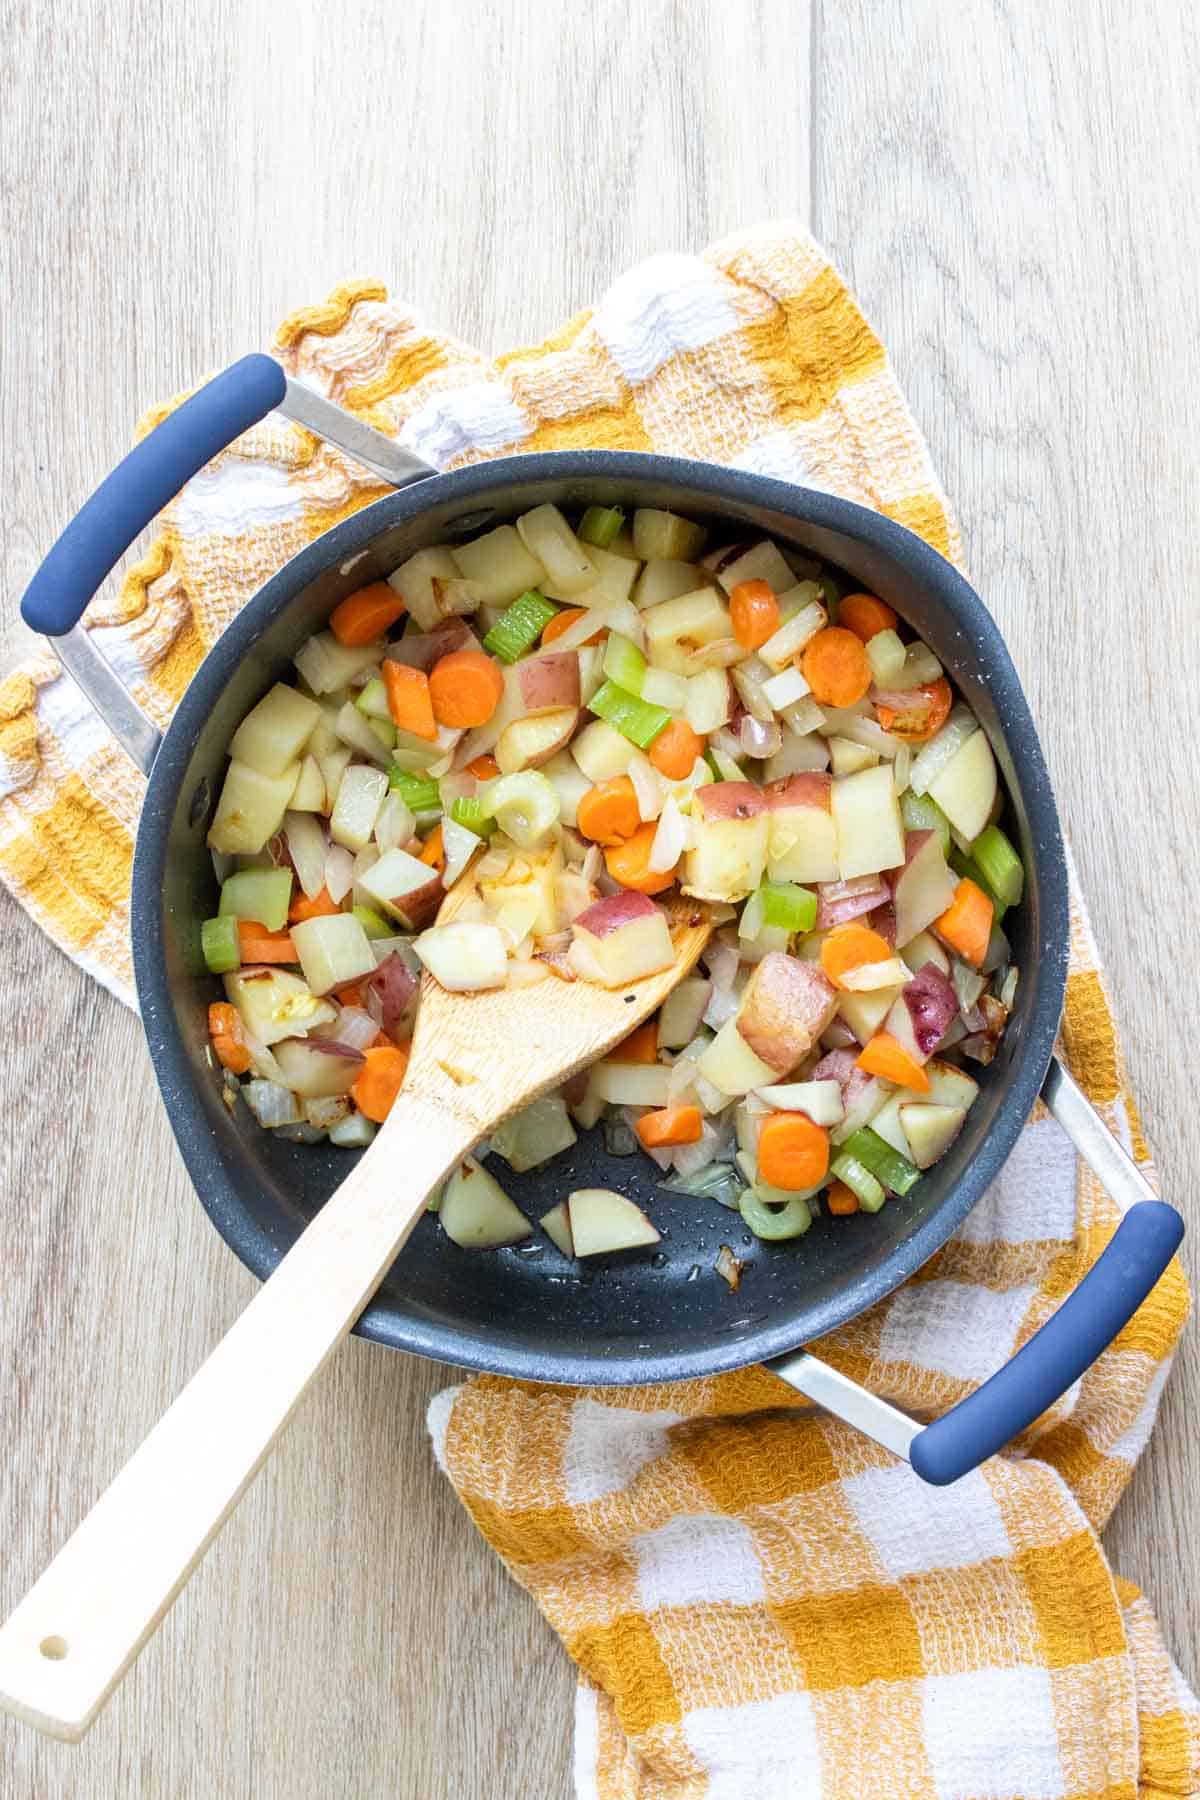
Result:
585,715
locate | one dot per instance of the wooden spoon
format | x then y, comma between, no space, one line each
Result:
476,1058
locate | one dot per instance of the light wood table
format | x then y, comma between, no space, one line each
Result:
1011,188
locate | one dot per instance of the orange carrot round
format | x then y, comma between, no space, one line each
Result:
380,1080
608,813
848,947
465,689
835,666
641,1046
366,615
321,906
559,623
841,1200
918,714
886,1057
669,1125
755,613
966,924
408,700
675,749
864,615
793,1153
484,768
627,862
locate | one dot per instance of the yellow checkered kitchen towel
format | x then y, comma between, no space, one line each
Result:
761,1603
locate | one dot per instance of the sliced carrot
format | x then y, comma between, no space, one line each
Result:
675,749
350,995
484,768
864,615
793,1153
228,1040
641,1046
608,813
433,851
408,699
848,947
918,714
885,1056
321,906
262,946
755,613
380,1080
558,624
835,666
366,615
627,863
966,924
465,689
670,1125
841,1200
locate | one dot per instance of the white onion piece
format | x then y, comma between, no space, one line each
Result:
261,1059
759,740
271,1104
727,767
850,724
223,864
395,823
750,689
307,849
647,787
339,873
460,846
941,750
902,768
798,755
681,1080
721,960
355,1028
527,974
670,840
593,864
689,1159
722,1004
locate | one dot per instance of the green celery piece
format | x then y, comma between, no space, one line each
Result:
859,1179
373,923
887,1165
994,854
600,525
384,730
624,663
969,870
520,626
260,894
785,903
418,792
771,1224
473,814
373,701
635,719
920,813
221,946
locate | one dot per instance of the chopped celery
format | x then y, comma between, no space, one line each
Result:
418,792
969,869
220,944
786,904
526,807
895,1171
635,719
473,814
261,894
993,852
920,813
859,1179
624,663
373,701
775,1223
373,923
600,525
520,626
384,730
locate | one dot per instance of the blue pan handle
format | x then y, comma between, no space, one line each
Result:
1057,1354
138,488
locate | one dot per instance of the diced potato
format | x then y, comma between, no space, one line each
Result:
631,1084
603,1222
762,562
707,705
273,733
275,1004
865,1013
682,1011
333,766
888,1124
308,795
333,951
316,1074
557,1226
620,939
569,783
414,582
251,808
660,688
803,616
476,1213
360,796
403,887
676,629
931,1130
731,1065
535,1134
665,579
949,1086
355,729
500,566
966,788
464,958
847,757
659,535
601,752
730,825
327,665
530,742
869,830
530,881
611,585
547,536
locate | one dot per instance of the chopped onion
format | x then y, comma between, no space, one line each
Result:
718,1181
460,846
646,786
390,993
721,960
262,1061
329,1110
840,901
690,1159
967,985
751,921
941,750
1007,992
593,863
308,850
339,873
271,1104
620,1139
303,1133
999,953
729,1267
803,716
759,740
798,755
355,1028
223,865
670,840
525,974
718,655
395,823
868,732
902,768
750,687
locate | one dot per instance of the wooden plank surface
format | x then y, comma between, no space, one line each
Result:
1009,187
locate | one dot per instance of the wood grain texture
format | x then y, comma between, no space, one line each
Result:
1010,187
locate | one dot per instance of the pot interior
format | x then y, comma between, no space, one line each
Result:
529,1311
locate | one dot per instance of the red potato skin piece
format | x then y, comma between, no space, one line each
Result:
883,920
842,1066
811,790
731,800
605,916
787,1005
549,683
422,649
419,908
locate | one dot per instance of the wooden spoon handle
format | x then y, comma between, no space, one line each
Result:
79,1628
